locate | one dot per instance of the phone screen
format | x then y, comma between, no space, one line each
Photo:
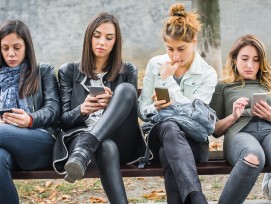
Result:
2,111
257,97
96,90
162,94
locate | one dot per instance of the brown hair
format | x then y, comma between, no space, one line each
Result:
30,84
181,25
230,72
114,63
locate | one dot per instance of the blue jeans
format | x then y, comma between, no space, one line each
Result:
255,139
22,148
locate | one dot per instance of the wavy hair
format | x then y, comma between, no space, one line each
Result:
230,72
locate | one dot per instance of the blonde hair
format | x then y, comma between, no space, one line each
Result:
230,72
181,25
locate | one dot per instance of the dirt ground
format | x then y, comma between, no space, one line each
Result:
139,190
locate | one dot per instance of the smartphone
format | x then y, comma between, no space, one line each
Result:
2,111
96,90
257,97
162,94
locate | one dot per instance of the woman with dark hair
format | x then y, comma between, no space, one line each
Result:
187,77
101,127
29,98
246,127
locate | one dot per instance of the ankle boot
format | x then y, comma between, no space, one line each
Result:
81,157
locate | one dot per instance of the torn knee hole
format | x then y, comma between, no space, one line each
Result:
251,160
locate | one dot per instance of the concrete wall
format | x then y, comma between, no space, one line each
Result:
58,26
245,17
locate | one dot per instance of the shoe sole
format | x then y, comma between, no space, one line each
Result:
74,171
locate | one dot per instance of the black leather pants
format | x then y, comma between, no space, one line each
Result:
119,136
177,155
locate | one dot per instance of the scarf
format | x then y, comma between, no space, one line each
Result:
9,87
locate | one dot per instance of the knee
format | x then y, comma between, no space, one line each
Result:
108,150
255,160
127,91
170,130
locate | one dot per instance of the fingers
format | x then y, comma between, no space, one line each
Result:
18,118
161,104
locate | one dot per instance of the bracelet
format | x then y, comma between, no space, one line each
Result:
31,122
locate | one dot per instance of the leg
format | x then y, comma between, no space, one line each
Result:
29,148
248,159
108,163
266,183
172,191
180,158
8,193
109,125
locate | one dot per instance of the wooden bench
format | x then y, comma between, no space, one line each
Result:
204,168
215,166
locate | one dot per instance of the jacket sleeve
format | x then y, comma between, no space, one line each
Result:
49,113
71,117
132,74
145,102
218,103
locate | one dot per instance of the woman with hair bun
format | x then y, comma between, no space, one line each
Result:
187,77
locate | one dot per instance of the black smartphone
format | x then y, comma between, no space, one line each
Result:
162,94
2,111
96,90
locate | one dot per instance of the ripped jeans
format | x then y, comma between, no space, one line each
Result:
254,139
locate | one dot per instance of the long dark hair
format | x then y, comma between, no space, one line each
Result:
114,63
30,83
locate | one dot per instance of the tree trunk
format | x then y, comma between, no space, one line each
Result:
209,36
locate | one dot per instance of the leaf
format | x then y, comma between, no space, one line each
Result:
156,195
39,189
48,183
93,199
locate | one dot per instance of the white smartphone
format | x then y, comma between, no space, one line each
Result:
96,90
257,97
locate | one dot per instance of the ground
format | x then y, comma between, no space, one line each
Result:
139,190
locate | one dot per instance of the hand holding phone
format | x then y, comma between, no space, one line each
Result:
162,94
256,98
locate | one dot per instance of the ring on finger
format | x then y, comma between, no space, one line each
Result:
15,124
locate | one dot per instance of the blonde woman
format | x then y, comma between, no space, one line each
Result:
246,127
187,77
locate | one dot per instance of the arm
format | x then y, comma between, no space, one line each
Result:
145,101
132,73
70,118
49,114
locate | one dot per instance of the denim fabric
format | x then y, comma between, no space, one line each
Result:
24,148
255,138
196,119
178,156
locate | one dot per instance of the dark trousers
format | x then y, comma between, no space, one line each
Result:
119,136
178,155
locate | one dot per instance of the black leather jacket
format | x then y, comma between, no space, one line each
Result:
73,93
45,103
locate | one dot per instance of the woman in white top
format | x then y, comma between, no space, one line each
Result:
187,77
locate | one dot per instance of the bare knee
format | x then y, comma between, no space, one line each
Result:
252,160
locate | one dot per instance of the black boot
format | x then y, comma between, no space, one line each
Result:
81,157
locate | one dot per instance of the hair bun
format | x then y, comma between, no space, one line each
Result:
177,9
